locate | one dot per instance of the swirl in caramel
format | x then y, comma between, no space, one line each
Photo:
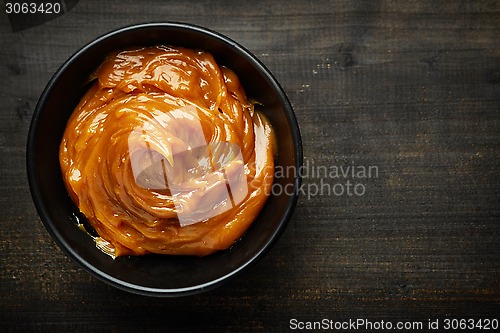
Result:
165,154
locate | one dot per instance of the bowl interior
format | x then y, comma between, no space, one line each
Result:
155,274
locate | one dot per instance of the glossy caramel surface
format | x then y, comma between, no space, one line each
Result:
165,154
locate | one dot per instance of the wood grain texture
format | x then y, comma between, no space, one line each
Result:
412,88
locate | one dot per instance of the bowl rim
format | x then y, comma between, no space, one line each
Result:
82,262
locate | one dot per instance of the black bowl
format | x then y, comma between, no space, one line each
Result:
158,275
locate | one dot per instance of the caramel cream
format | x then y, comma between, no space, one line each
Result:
165,154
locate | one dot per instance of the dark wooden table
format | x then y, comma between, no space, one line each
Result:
408,88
